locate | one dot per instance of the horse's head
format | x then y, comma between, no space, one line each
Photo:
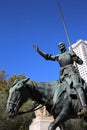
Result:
18,94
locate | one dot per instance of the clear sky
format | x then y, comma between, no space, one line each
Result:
24,23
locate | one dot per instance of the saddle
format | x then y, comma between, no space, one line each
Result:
60,89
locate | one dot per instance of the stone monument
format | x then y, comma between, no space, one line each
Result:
42,120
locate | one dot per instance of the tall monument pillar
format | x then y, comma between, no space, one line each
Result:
42,120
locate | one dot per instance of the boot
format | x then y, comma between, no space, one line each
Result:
82,98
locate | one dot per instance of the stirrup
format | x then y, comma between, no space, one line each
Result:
83,112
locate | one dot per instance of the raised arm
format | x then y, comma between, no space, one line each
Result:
46,56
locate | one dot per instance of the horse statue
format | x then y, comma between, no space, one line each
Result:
53,95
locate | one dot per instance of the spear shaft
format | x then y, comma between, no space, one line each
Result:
65,28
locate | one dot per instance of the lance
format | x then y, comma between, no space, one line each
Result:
65,28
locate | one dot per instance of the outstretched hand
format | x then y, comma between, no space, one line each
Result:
36,47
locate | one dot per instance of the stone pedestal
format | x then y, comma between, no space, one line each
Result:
42,120
41,124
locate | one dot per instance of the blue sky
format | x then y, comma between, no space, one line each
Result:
24,23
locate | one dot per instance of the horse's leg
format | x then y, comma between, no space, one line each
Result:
62,126
61,118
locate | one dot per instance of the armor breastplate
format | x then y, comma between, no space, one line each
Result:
65,59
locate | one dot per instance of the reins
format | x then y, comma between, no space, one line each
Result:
34,108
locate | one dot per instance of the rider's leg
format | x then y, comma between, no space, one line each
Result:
80,93
82,98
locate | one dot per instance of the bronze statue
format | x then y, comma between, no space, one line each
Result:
68,72
43,92
54,95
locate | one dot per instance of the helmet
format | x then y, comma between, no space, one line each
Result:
61,45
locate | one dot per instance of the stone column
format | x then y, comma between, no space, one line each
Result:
42,120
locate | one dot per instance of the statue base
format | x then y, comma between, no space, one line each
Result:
41,123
